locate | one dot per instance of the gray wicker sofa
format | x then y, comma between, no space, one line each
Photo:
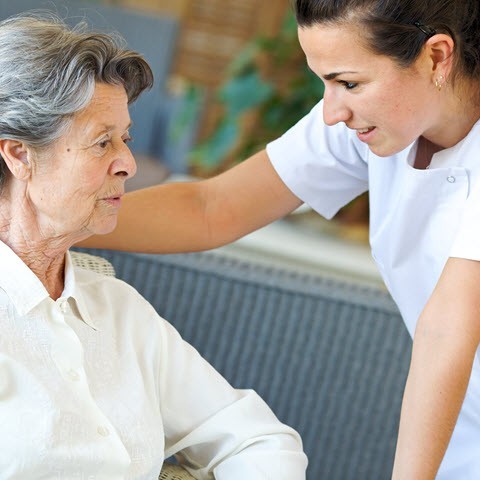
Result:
330,358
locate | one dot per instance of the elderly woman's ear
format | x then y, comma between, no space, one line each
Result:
15,156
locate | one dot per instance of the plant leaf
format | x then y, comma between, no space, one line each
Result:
212,152
244,92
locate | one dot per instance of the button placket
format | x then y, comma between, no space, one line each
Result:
68,355
67,350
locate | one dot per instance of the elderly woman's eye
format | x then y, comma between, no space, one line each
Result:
127,139
103,143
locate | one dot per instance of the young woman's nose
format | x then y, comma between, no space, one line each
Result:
334,108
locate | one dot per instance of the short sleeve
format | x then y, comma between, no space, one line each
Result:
325,166
467,239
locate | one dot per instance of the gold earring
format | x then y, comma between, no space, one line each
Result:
439,82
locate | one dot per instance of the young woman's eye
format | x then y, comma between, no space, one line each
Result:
349,85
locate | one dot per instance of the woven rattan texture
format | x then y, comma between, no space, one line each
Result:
92,262
174,472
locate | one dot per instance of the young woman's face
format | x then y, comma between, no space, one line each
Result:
388,106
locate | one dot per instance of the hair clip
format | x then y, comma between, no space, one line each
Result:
428,31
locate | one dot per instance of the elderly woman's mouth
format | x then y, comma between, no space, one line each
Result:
114,200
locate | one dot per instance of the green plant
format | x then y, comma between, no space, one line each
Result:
269,81
270,85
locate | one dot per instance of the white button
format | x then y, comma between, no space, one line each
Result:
451,179
103,431
73,375
63,306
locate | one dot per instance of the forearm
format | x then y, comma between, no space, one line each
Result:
434,393
446,340
186,217
161,219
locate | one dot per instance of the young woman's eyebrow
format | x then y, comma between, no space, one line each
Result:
333,75
330,76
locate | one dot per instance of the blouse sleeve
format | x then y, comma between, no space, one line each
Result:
216,429
325,166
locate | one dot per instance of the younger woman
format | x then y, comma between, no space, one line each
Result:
399,118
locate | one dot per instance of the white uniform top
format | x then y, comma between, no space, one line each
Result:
418,218
97,386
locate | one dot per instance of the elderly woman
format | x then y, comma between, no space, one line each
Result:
93,384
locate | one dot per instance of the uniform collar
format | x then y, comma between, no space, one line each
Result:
454,156
26,291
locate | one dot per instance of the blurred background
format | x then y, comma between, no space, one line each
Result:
229,77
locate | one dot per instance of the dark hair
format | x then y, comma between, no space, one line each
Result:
399,28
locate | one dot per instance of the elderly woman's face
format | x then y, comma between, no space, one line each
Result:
78,183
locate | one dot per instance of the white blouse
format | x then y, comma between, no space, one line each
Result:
97,386
418,219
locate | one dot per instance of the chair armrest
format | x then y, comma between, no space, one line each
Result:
174,472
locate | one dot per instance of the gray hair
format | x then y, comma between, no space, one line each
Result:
48,73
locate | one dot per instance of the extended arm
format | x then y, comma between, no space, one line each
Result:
201,215
445,342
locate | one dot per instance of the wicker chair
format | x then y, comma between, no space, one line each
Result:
174,472
100,265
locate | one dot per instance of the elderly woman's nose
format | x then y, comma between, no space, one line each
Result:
124,164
